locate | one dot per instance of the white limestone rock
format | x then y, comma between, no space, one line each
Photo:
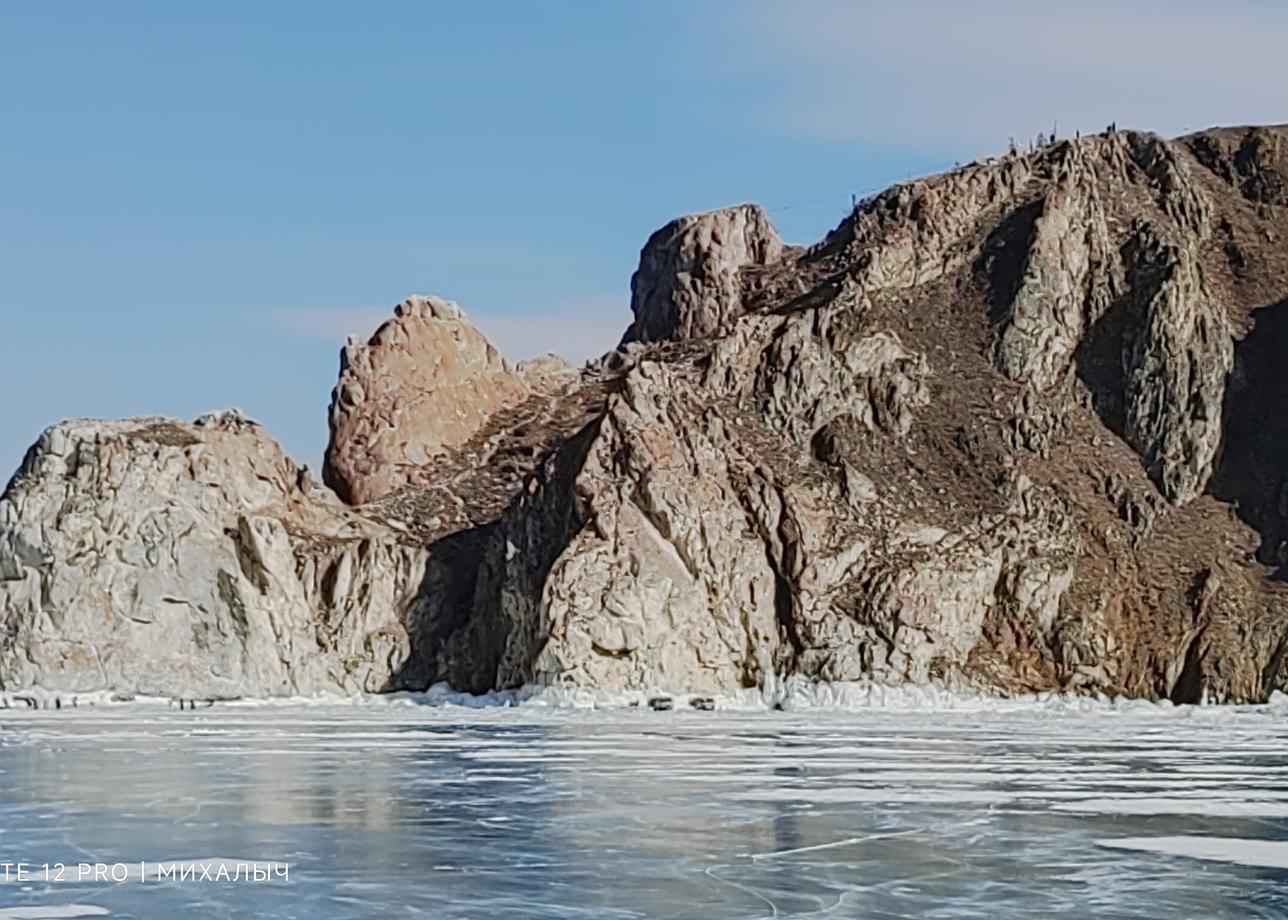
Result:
150,556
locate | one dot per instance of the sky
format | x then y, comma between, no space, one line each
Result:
198,202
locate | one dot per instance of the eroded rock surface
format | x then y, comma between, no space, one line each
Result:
193,560
425,383
690,280
1015,427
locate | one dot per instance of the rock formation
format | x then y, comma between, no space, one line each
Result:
1015,427
422,386
194,560
690,279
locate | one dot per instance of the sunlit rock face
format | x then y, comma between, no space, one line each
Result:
1015,427
690,280
193,560
424,384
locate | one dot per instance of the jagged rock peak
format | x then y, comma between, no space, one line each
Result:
429,306
425,383
689,281
163,557
1254,160
1071,239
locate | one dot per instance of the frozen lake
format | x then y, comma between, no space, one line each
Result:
397,809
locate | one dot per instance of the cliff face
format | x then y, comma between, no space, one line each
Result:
1014,427
690,279
193,560
422,386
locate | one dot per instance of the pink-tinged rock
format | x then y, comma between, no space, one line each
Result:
425,383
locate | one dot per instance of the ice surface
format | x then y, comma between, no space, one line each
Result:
855,802
1270,854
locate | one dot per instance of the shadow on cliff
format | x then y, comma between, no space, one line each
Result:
440,607
1101,356
1004,256
1252,469
1099,359
474,621
1252,465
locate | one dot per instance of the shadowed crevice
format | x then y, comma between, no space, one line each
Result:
1003,258
1253,462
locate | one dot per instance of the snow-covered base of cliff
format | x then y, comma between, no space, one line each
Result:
793,694
877,804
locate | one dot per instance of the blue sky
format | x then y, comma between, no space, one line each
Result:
200,200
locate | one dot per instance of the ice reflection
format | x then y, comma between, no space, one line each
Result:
394,811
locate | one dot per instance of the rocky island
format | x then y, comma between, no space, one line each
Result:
1015,427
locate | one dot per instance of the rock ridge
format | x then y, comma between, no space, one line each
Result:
1011,428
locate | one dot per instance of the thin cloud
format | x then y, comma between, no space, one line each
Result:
576,335
966,77
578,329
334,324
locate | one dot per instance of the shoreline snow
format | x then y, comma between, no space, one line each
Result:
795,695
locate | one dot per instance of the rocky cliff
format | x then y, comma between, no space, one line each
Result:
1014,427
194,560
422,387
